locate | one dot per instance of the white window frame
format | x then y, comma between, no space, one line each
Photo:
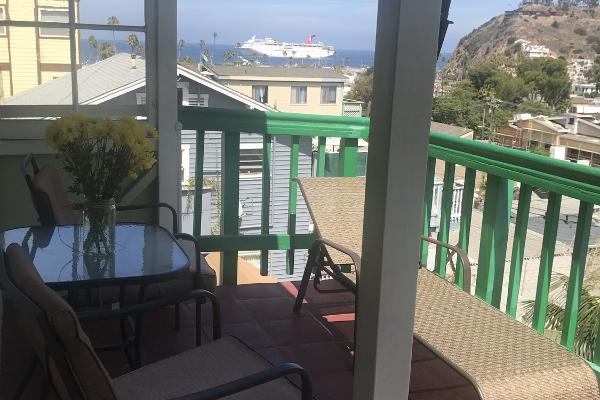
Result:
39,17
266,93
23,126
293,98
329,87
3,30
198,100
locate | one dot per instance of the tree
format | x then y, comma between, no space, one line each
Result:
548,80
134,43
180,46
588,316
113,21
215,34
593,75
229,54
362,89
93,43
535,107
106,50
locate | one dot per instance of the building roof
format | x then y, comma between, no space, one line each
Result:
112,77
450,129
224,71
581,138
579,100
94,80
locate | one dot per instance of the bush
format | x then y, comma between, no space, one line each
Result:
556,24
511,40
592,39
577,51
596,47
580,31
563,50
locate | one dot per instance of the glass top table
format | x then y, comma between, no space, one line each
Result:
143,254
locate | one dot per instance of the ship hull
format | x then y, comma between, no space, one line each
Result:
287,51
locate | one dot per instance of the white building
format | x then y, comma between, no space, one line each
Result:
581,89
533,49
578,70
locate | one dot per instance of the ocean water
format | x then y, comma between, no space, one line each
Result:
350,58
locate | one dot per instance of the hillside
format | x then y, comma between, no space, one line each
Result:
572,34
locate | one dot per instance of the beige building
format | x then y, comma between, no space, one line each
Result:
305,90
31,56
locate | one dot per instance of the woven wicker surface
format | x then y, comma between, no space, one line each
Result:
336,206
507,359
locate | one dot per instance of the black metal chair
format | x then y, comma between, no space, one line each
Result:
72,370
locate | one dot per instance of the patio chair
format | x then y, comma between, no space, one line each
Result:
72,370
54,208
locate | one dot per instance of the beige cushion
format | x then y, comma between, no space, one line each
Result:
48,182
204,367
89,372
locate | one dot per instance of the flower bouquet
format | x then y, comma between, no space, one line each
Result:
100,154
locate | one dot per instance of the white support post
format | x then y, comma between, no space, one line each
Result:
161,98
405,58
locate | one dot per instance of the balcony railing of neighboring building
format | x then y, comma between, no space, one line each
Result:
503,167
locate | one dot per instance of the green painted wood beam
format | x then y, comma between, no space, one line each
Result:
199,182
321,151
465,222
494,240
546,262
427,204
578,260
348,157
265,223
518,250
230,194
256,242
441,255
293,199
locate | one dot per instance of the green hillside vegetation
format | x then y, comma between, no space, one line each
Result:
493,93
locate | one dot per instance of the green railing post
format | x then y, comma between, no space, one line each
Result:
494,239
348,157
429,180
580,252
465,222
518,250
321,151
266,201
293,200
441,255
198,183
546,262
230,194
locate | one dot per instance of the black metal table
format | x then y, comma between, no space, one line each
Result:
144,254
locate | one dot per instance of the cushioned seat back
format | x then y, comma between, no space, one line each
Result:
91,377
48,182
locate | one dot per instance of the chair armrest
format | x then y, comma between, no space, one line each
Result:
190,238
157,206
461,254
138,309
253,380
355,257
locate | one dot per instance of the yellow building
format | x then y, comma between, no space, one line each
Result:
306,90
31,56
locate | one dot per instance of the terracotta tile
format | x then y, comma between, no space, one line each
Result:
319,357
273,308
434,375
458,393
259,291
332,386
421,353
296,331
251,333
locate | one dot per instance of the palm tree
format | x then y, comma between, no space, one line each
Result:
93,43
181,45
588,317
134,43
215,34
228,55
106,50
113,21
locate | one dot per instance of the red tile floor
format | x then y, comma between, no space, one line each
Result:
320,338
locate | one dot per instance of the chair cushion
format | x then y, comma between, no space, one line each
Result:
48,181
89,372
207,366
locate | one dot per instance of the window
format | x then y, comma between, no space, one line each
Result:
198,100
328,94
251,158
54,15
140,98
2,18
298,95
260,93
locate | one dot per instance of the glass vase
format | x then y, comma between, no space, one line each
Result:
99,219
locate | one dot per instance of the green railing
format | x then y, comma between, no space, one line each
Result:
503,167
269,124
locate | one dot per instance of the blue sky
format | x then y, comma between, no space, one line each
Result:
348,24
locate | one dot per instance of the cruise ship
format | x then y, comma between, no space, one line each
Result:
274,48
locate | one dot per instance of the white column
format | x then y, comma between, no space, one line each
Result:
405,57
161,97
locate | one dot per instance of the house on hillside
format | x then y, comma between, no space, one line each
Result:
306,90
117,81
